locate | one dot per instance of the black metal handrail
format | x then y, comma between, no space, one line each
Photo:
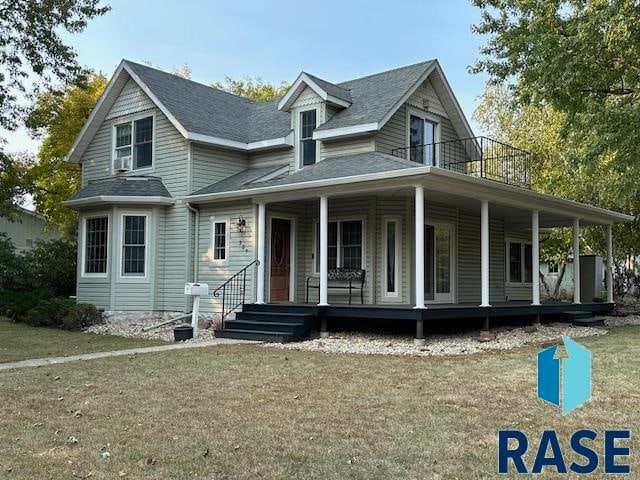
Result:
477,156
233,291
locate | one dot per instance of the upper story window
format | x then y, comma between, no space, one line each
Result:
423,134
133,144
307,144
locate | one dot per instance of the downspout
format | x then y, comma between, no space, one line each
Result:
196,239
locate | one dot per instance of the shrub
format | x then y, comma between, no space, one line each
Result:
49,313
53,265
82,315
16,305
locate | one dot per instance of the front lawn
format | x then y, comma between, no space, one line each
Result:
20,342
246,411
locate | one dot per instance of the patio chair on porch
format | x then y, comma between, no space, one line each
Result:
341,278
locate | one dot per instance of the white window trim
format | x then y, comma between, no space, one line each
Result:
549,272
298,136
130,119
227,237
429,117
83,237
339,220
522,243
130,278
398,223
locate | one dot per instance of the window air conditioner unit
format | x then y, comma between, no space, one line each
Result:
122,164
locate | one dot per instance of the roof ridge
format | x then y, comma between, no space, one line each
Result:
385,71
180,77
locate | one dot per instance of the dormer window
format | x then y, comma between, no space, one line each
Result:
307,143
133,144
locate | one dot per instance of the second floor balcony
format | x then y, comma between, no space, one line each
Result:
480,157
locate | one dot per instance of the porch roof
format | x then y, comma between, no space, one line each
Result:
373,172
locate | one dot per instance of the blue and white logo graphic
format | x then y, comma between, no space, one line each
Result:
571,376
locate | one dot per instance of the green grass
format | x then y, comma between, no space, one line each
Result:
20,342
245,411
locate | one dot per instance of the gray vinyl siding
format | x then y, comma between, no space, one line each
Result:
240,251
282,157
169,259
210,165
394,133
346,147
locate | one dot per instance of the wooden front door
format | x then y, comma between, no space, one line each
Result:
280,259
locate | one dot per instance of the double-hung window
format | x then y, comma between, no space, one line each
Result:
307,143
96,232
220,241
134,245
135,139
519,259
344,244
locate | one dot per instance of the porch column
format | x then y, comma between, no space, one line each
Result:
324,250
419,246
576,261
535,257
261,237
610,263
484,253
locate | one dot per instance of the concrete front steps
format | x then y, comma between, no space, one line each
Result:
267,326
582,318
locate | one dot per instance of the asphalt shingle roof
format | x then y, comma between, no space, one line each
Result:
374,96
123,187
331,88
333,167
209,111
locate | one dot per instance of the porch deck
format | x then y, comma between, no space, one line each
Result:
433,311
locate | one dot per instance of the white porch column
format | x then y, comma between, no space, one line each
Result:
261,238
576,261
419,246
484,252
610,263
535,257
324,250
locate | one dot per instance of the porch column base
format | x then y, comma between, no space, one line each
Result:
323,328
419,340
485,326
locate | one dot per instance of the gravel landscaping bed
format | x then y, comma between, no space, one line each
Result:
134,330
440,345
620,321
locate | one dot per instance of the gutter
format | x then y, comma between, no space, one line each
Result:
196,239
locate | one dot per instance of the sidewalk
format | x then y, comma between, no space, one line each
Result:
39,362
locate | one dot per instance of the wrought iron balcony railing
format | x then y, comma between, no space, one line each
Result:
479,157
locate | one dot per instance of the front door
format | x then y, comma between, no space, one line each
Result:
280,260
438,255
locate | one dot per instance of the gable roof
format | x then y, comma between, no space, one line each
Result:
329,92
208,115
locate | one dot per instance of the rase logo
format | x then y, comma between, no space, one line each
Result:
565,383
575,372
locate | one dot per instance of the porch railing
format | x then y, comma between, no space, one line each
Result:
480,157
233,292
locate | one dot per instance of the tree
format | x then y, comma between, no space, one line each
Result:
57,118
558,169
30,44
253,88
579,57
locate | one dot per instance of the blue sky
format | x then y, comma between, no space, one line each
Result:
335,40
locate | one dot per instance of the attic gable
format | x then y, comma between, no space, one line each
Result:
328,92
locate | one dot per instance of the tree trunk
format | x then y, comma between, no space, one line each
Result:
556,290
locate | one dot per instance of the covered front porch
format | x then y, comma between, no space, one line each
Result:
434,244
